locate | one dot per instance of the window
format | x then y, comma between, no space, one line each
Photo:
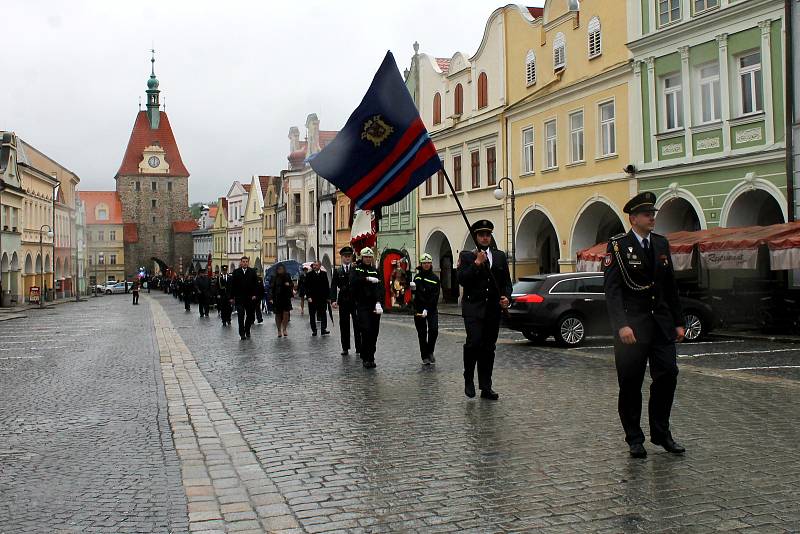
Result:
437,109
102,214
153,218
101,259
112,259
527,150
595,38
703,5
709,93
491,166
669,11
101,235
138,185
153,186
459,100
475,165
576,137
566,286
311,207
153,203
750,83
550,144
296,208
169,186
457,172
559,52
483,91
673,102
530,68
429,186
440,182
112,235
608,134
592,285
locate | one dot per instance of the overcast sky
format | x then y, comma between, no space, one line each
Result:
234,75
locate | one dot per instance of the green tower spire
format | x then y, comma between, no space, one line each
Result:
153,113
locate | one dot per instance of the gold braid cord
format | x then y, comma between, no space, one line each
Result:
625,276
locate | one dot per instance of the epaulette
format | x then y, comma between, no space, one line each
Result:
618,236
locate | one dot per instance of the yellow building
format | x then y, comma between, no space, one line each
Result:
343,232
269,231
253,225
105,239
568,73
219,235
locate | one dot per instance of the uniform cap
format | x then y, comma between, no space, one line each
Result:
345,250
482,225
426,258
366,251
645,201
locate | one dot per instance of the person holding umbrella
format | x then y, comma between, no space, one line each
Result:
426,289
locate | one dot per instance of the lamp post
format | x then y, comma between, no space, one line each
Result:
499,194
101,258
94,286
41,254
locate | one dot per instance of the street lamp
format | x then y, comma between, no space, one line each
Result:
41,255
102,259
499,194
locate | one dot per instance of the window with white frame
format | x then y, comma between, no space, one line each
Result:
704,5
576,137
751,87
595,38
709,93
608,129
527,150
550,141
673,102
559,52
530,68
669,11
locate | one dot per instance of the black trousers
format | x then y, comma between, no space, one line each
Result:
136,297
258,311
225,310
202,302
346,312
631,362
479,348
317,310
369,323
427,332
187,302
245,315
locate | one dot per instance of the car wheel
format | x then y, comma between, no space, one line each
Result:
108,291
535,337
570,331
695,327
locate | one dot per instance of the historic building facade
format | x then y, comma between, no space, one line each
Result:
219,235
269,235
201,238
236,201
12,204
105,243
709,123
153,186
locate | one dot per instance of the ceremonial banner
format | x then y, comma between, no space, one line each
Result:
384,151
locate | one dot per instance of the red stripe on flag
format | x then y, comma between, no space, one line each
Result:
424,155
411,135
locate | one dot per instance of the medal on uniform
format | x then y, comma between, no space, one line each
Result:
630,249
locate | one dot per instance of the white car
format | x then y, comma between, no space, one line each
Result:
117,287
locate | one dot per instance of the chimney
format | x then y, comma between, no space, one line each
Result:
312,126
294,139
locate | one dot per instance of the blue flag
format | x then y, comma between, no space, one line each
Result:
384,151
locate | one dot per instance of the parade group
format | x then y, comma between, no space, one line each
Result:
641,296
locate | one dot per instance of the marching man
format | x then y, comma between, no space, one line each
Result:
367,290
426,288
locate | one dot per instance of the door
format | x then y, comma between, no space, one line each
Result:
593,300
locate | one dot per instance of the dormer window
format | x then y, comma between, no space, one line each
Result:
595,39
102,212
559,52
530,68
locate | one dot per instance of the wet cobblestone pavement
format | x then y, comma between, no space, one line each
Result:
285,435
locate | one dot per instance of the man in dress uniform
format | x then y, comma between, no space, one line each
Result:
187,291
244,292
202,287
426,288
344,301
367,290
224,288
484,275
645,313
317,293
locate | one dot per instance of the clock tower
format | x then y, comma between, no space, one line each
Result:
153,187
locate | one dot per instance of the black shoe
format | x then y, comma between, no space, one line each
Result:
248,335
670,445
242,338
426,361
638,451
345,352
260,321
325,333
489,394
469,389
432,359
314,333
369,364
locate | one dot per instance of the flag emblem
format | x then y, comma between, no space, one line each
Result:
376,130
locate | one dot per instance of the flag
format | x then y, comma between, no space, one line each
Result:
384,150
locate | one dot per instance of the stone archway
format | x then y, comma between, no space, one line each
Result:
677,214
596,223
28,265
327,265
537,244
438,246
754,208
312,254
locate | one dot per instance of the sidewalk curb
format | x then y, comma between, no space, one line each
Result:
755,336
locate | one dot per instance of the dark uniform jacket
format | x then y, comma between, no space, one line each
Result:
638,287
426,294
244,286
187,288
316,286
341,291
224,286
480,292
365,294
203,286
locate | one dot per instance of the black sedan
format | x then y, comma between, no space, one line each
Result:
572,306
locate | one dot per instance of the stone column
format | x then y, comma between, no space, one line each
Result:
766,77
635,124
686,90
724,91
651,95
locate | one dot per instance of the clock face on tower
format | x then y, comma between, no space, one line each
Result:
154,161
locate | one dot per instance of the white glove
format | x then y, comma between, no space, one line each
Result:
372,280
378,308
413,285
424,313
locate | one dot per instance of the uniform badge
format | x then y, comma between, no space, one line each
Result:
664,260
607,260
630,249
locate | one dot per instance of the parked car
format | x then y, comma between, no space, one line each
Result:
572,306
117,287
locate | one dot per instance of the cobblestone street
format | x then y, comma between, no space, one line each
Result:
149,419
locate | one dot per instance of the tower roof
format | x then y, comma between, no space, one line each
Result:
143,136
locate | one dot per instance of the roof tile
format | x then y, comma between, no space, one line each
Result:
143,136
94,198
